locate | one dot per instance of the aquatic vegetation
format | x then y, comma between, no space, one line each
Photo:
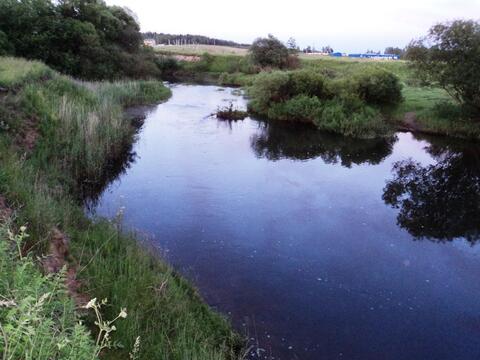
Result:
230,113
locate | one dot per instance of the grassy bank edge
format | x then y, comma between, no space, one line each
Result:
164,309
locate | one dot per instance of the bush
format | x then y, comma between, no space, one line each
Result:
269,52
302,108
309,83
364,122
269,88
378,87
340,105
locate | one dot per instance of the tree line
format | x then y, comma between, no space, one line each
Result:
188,39
83,38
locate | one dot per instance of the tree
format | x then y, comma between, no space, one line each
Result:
83,38
395,51
292,46
327,49
5,47
449,56
308,50
269,52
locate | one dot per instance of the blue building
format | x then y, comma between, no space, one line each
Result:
368,56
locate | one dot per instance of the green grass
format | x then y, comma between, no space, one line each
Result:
80,125
421,100
38,320
14,72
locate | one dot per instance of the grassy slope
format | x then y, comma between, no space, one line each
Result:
79,126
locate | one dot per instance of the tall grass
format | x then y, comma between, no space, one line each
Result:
84,122
80,126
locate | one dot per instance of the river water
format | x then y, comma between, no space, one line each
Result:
315,245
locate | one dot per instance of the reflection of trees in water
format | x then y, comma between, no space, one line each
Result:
286,141
441,201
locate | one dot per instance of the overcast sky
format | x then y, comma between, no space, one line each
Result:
346,25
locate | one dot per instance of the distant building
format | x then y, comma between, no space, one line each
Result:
368,56
375,56
149,42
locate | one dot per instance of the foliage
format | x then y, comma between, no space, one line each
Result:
269,52
448,56
6,47
362,122
378,87
292,46
302,108
343,105
168,65
37,316
395,51
86,39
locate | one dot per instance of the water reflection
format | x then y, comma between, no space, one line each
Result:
440,201
278,141
90,191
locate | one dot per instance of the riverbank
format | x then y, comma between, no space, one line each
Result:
57,136
432,108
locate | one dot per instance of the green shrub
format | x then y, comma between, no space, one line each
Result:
300,108
310,83
343,105
168,65
269,88
269,52
378,87
364,122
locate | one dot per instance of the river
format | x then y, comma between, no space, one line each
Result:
316,246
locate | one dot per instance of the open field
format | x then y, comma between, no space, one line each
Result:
201,49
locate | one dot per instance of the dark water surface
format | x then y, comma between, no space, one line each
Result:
321,247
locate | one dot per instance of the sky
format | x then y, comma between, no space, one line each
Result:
346,25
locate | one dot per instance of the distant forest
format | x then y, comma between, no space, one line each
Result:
172,39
